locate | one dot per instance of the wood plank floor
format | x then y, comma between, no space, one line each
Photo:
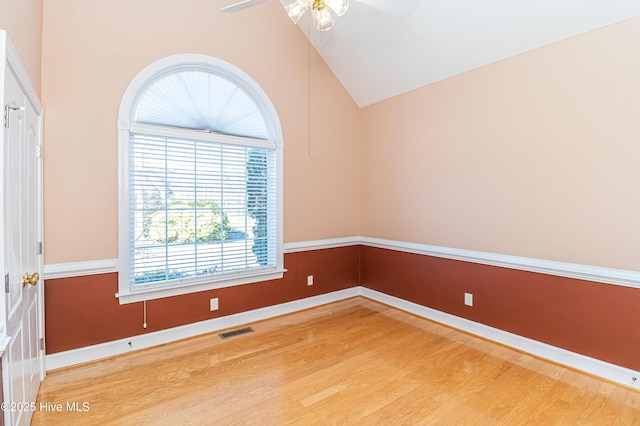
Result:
350,362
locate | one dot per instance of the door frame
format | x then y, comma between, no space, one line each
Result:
9,60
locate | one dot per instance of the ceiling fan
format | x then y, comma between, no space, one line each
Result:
321,9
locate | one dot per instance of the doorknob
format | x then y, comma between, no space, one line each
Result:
30,279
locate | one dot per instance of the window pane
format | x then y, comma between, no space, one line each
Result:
199,208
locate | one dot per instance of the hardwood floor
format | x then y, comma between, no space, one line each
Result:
350,362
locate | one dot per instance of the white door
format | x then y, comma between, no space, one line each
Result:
22,258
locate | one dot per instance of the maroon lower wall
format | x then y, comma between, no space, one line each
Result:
83,311
597,320
593,319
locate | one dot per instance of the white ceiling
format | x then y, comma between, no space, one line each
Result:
377,55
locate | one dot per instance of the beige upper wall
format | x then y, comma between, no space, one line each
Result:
23,22
533,156
91,51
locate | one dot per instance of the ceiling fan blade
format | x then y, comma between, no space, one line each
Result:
404,7
240,6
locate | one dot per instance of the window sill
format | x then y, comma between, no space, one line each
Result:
157,292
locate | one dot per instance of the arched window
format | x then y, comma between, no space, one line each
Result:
200,180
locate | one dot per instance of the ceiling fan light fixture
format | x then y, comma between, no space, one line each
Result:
338,6
320,9
296,9
324,20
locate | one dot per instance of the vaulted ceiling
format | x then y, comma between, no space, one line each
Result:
377,54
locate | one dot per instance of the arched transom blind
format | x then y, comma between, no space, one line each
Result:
201,100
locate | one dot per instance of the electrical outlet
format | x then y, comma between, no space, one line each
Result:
310,280
213,304
468,299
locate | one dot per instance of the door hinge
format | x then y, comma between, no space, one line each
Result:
40,249
8,108
42,343
38,151
6,283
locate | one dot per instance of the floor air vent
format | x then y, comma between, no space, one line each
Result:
237,332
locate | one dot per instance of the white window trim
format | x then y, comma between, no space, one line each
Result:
128,293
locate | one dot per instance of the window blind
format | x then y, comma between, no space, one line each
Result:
201,100
199,208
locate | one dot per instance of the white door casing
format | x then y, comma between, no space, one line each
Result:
22,261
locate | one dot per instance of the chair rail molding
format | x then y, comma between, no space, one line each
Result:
550,267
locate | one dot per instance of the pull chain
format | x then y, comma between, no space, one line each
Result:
309,82
144,314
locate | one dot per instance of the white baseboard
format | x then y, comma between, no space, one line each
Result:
122,346
605,370
596,367
589,365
